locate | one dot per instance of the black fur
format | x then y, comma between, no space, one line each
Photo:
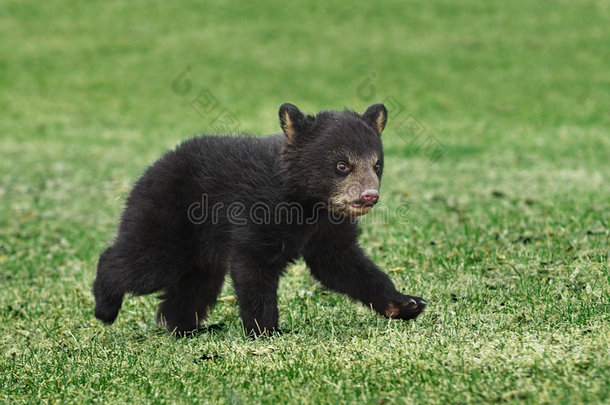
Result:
211,206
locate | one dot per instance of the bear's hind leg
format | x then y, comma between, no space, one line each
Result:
187,302
107,288
124,269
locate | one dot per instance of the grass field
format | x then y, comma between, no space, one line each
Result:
507,196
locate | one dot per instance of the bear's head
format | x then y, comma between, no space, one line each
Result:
335,158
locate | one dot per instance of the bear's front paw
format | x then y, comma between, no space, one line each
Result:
406,307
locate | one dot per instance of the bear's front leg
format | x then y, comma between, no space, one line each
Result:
353,274
256,285
336,260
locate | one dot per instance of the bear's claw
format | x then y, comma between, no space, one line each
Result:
405,308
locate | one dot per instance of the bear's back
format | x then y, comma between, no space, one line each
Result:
231,167
219,169
213,153
203,176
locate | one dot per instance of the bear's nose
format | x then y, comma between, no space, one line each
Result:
370,196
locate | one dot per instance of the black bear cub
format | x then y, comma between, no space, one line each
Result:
250,206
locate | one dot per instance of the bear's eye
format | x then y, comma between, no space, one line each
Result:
377,167
343,167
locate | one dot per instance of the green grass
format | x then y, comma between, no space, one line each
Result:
507,233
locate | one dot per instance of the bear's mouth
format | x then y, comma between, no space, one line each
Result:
359,207
358,204
348,208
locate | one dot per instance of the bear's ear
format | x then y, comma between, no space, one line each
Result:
293,121
376,116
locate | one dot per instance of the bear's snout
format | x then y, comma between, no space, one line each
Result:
370,196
